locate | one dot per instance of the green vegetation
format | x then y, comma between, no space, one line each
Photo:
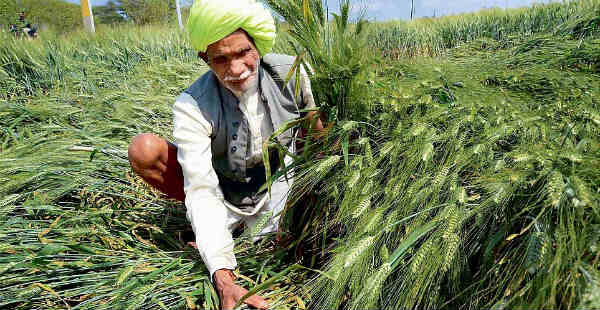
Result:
58,14
335,51
468,193
435,36
108,13
64,17
465,180
144,12
76,227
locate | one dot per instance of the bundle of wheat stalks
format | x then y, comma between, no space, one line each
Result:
469,181
433,202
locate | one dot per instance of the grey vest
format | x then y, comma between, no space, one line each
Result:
230,130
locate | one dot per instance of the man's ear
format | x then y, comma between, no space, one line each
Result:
204,56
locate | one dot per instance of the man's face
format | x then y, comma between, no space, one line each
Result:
234,59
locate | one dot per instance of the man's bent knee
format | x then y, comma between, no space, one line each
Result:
145,151
155,160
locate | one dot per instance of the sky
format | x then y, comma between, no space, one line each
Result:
382,10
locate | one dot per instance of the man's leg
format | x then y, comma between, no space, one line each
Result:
154,159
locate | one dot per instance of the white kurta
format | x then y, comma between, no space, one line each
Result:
213,219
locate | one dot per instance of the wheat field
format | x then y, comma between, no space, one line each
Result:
459,168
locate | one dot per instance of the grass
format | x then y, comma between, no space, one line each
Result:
493,166
464,186
432,37
335,52
78,230
464,180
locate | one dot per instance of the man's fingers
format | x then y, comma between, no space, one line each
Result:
234,293
256,302
228,303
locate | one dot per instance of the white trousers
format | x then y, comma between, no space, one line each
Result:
273,206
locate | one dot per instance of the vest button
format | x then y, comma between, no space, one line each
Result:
233,149
234,137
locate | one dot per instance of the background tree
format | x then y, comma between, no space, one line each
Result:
57,14
149,11
62,16
110,13
8,13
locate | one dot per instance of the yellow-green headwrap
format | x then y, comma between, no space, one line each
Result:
213,20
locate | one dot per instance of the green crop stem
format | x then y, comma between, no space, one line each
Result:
458,167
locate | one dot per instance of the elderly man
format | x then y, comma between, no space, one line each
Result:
215,164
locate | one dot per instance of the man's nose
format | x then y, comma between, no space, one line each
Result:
237,67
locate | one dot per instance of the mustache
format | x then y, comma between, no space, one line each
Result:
242,76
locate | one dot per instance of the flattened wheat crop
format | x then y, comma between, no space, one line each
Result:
433,36
466,180
464,186
77,229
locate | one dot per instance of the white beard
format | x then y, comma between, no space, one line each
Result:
251,86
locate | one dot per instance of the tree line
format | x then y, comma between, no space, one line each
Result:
65,16
139,11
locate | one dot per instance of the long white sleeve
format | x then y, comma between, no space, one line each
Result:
308,100
204,200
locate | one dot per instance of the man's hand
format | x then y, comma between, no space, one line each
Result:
230,293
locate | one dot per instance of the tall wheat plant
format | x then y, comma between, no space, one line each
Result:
442,204
334,50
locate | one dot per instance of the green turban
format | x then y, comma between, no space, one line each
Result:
213,20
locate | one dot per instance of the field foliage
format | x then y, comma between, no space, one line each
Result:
434,36
56,14
464,180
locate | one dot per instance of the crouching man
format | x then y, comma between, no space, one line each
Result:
215,164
